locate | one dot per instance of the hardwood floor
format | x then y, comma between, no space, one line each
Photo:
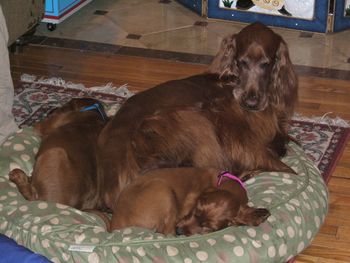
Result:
317,96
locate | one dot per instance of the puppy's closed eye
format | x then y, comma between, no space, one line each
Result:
242,64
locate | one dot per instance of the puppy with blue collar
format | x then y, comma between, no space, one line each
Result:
65,167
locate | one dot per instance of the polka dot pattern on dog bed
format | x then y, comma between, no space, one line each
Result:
298,206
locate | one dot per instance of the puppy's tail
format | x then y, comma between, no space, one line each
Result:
23,184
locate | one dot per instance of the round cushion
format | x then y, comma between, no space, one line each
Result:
298,206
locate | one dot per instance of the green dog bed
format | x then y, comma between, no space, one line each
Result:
298,206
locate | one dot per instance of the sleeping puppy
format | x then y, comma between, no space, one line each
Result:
185,201
65,167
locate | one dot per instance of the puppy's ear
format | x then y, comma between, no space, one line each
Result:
45,126
52,122
185,219
224,63
38,129
284,92
205,197
233,222
250,216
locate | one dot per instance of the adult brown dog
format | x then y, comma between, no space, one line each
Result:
247,95
185,201
65,167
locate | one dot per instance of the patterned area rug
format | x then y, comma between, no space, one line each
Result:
323,143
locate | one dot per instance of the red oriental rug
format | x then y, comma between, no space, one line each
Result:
322,141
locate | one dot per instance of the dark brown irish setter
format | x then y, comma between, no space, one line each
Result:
233,117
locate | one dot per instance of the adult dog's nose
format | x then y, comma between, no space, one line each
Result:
251,101
179,231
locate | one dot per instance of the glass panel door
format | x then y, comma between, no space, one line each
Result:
342,15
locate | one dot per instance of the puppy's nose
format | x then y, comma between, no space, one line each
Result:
179,231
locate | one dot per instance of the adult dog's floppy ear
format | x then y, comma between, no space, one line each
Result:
224,64
284,92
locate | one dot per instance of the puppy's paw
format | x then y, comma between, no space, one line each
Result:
18,177
259,215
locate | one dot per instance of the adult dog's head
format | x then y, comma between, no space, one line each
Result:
256,62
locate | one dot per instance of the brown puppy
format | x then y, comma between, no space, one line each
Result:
65,167
248,93
185,201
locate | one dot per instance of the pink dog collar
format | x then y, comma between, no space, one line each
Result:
229,176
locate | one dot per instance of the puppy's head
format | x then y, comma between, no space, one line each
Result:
66,114
215,209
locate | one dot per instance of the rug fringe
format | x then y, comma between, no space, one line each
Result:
325,119
124,92
121,91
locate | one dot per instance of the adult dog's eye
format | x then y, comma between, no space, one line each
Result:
197,216
264,65
242,64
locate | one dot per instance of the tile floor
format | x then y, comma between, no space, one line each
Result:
167,25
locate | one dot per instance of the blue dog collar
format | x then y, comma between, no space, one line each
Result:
97,107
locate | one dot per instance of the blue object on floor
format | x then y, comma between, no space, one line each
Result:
11,252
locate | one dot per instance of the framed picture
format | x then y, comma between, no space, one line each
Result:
308,15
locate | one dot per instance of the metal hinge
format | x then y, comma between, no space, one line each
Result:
204,8
330,23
